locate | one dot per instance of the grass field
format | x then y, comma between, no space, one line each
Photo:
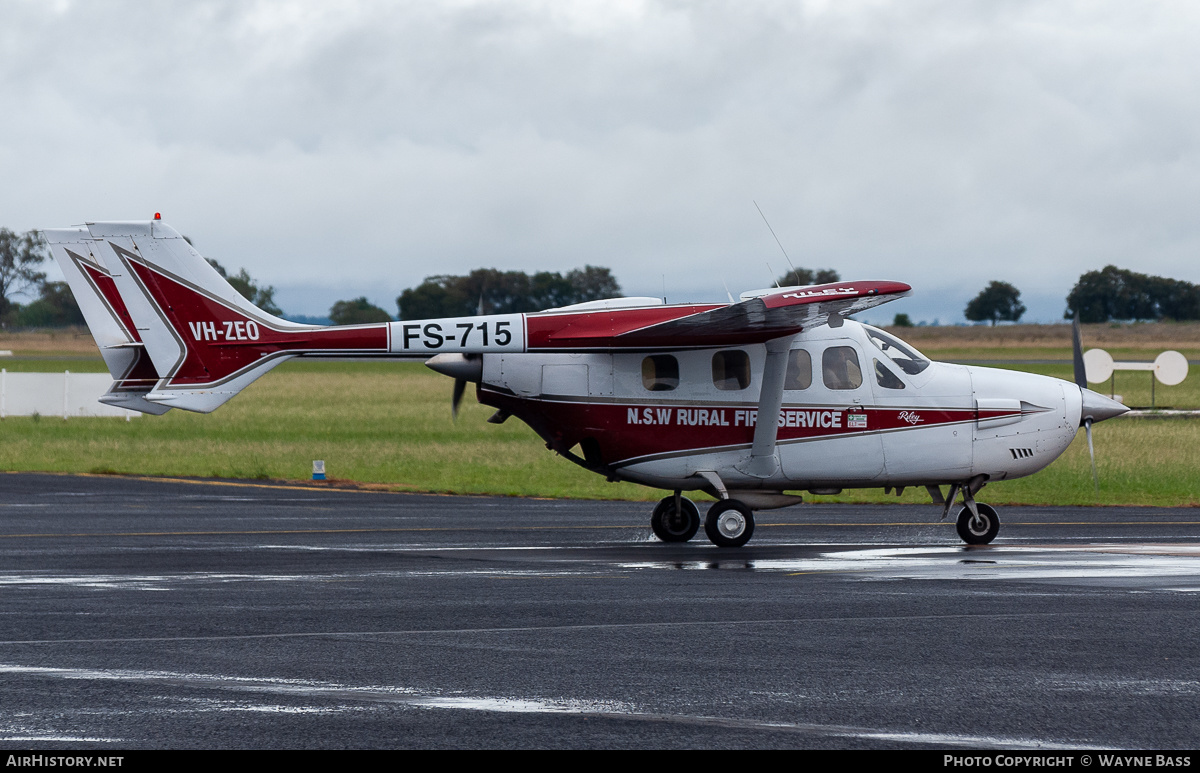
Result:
388,424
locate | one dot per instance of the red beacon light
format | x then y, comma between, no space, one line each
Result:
157,216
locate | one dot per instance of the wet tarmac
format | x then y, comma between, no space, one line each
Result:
170,614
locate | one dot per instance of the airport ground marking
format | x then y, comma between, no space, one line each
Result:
549,628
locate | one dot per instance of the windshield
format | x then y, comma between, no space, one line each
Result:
906,358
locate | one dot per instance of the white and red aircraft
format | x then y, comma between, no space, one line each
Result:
747,401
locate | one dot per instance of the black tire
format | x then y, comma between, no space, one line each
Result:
978,533
670,526
729,524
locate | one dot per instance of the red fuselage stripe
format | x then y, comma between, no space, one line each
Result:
626,431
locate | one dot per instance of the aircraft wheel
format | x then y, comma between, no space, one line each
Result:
729,524
670,526
981,531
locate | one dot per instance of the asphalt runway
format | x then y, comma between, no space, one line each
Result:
168,614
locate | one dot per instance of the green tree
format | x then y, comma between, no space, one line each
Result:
592,283
1118,293
1176,299
492,291
359,311
998,302
902,320
20,255
261,296
56,307
807,276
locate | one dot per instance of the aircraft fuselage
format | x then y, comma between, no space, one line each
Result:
851,415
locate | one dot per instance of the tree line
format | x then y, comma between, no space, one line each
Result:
1110,294
485,291
488,290
1099,296
53,304
1116,293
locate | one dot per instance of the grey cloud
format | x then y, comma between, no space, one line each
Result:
944,144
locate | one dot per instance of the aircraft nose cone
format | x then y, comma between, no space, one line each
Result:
1097,407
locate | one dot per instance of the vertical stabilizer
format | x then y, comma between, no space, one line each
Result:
112,327
200,339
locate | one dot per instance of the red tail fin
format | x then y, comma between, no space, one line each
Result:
206,342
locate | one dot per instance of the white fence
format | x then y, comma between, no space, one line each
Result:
63,394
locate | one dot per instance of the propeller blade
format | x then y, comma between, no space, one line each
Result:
460,386
463,368
1077,351
1087,427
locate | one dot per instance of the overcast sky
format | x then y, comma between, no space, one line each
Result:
338,149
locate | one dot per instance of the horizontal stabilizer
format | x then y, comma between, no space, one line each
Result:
134,401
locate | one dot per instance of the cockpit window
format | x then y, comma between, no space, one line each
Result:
840,368
885,378
906,358
660,373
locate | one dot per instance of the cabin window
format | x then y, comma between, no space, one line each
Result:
885,378
731,370
660,373
799,370
840,368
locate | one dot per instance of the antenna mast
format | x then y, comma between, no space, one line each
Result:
781,249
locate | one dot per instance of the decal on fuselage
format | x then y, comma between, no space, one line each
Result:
721,417
224,330
497,333
628,432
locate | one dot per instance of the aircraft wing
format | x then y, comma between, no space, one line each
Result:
781,313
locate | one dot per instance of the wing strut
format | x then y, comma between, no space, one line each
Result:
763,462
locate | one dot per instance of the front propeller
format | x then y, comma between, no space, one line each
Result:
1095,406
460,387
462,368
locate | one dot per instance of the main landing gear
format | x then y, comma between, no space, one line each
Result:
729,523
675,519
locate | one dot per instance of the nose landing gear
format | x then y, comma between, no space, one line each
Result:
979,527
977,524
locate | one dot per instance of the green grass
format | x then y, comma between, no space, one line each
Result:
1133,386
52,363
389,424
386,423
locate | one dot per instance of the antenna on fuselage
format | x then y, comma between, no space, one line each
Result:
771,271
781,249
